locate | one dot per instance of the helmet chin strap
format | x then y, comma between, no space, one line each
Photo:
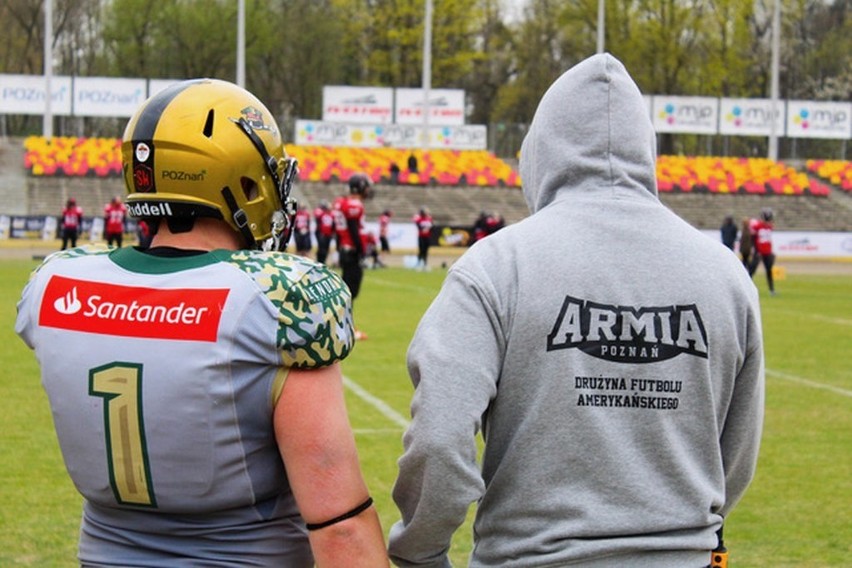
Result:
282,219
239,216
282,223
270,162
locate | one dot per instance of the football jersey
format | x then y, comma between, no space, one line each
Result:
302,221
115,214
72,217
324,219
347,209
384,224
762,236
424,225
162,376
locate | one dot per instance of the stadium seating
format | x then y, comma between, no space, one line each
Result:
835,172
71,156
435,167
757,176
101,157
43,186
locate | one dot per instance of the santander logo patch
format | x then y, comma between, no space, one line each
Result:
68,304
188,314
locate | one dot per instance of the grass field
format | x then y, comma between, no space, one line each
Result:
798,511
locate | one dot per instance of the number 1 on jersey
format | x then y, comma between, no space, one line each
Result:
120,386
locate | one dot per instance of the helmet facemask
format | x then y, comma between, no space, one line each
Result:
282,219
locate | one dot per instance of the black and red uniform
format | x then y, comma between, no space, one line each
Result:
324,230
348,223
424,223
302,231
384,226
761,236
72,221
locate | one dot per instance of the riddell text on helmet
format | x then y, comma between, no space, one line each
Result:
149,209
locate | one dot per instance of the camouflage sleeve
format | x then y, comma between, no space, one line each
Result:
315,326
85,250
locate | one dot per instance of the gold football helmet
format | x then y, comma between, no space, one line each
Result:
208,148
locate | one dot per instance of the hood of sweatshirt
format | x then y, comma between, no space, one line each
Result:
592,132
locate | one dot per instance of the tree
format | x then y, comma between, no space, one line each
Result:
201,37
394,52
457,26
132,33
492,64
538,61
74,43
354,41
22,50
297,51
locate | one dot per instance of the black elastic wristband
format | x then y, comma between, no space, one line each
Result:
348,515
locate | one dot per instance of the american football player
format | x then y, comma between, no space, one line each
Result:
761,235
349,224
197,396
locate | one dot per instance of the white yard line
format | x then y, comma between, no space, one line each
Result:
808,382
818,317
377,403
419,289
402,422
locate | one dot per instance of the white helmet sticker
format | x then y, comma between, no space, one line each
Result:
142,152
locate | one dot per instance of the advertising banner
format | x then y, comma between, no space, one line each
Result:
814,119
750,117
320,133
157,85
96,230
25,94
697,115
45,227
649,104
400,111
103,96
357,104
49,228
400,235
404,235
446,107
453,235
804,244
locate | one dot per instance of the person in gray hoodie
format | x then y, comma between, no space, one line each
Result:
610,354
